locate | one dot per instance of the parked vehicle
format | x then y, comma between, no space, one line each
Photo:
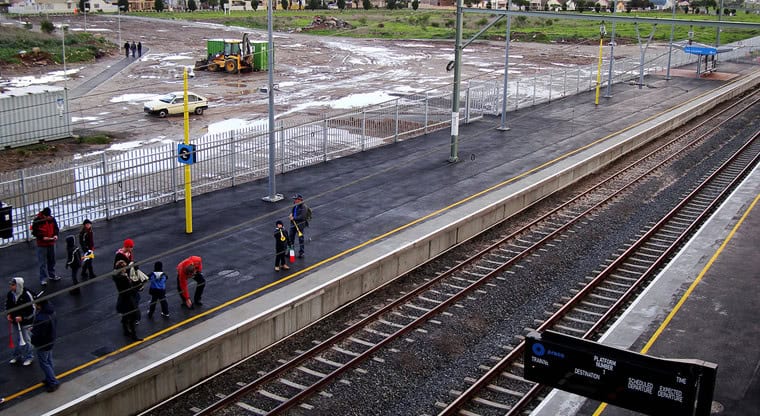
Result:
173,103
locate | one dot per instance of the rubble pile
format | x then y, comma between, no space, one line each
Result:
322,22
35,57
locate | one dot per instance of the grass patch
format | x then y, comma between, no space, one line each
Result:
383,24
439,24
95,139
80,47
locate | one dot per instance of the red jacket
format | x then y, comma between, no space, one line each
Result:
44,227
182,274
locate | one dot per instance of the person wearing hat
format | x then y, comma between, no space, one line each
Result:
87,244
298,223
20,320
43,338
45,231
125,253
282,242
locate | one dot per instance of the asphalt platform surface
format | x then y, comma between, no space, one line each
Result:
355,199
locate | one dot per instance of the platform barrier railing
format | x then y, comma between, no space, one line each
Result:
114,183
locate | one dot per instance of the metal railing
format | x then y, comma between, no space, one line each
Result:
114,183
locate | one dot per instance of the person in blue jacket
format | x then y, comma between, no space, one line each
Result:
43,339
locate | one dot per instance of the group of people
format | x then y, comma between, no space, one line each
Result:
134,48
33,323
299,218
32,317
130,281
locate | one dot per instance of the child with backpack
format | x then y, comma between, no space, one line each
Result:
73,261
158,290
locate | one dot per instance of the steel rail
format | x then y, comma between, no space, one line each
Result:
373,317
609,315
515,354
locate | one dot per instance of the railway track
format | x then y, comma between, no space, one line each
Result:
597,303
501,389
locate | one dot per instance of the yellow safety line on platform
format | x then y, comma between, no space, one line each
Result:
352,249
691,288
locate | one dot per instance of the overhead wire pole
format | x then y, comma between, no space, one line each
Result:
672,35
608,93
454,156
273,196
503,125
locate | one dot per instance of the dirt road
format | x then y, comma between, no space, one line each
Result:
313,76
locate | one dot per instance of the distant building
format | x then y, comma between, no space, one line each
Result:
59,6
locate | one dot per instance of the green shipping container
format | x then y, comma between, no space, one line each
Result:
214,46
260,56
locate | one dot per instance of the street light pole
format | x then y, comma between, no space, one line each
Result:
503,125
118,13
454,154
272,195
672,34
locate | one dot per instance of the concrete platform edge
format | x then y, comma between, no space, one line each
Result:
127,384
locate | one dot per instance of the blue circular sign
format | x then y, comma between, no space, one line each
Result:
538,349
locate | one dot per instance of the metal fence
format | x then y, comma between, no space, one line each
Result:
116,183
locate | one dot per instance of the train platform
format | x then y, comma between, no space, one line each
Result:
358,201
702,306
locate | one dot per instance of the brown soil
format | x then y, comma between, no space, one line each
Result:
308,69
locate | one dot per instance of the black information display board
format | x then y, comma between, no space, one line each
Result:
654,386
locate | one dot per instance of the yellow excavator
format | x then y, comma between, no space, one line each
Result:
233,56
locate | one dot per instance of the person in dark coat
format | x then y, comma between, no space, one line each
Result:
126,49
282,243
127,300
139,49
133,48
45,231
19,296
73,261
43,338
87,244
298,222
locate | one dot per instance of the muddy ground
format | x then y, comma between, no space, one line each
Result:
313,76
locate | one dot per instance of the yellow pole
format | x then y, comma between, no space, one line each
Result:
188,187
599,71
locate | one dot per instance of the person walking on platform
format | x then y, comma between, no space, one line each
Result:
126,49
20,320
298,222
127,302
282,243
133,48
43,338
45,230
73,261
139,49
87,244
158,290
190,268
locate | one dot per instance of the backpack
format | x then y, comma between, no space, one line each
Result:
308,214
